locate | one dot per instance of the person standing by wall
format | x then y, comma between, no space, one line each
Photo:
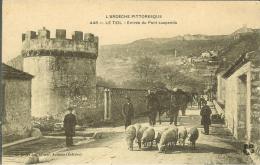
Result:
128,111
69,127
174,110
205,117
152,107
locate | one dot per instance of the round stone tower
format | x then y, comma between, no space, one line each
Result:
64,72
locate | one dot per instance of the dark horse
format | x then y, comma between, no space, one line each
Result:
183,99
170,102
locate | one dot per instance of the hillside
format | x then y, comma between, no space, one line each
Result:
115,61
247,42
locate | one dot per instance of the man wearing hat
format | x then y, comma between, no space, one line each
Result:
69,126
205,117
128,111
153,105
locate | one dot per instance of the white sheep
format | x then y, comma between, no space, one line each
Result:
182,135
139,135
148,136
130,135
168,138
193,135
158,135
175,139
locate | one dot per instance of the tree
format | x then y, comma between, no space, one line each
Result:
107,83
146,68
173,77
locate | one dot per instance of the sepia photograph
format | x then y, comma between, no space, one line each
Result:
130,82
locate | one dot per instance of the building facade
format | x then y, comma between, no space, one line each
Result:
16,103
242,97
220,88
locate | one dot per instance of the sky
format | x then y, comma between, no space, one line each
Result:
204,17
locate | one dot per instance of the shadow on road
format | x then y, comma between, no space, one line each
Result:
104,141
201,148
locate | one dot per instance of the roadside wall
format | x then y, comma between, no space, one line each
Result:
17,108
111,100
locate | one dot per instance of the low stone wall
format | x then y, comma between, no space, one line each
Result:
115,100
138,99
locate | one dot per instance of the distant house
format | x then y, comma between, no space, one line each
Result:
239,90
16,103
242,31
209,54
213,53
205,54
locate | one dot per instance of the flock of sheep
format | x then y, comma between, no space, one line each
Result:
165,139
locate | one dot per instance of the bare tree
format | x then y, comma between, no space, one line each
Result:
146,68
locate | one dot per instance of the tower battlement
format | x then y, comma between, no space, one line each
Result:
40,44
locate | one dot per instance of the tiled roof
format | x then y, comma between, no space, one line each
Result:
244,58
10,72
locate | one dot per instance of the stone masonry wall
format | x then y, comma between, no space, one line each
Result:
61,82
100,104
231,105
138,98
17,99
237,105
255,104
221,89
64,72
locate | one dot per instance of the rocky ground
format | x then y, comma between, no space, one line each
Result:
216,148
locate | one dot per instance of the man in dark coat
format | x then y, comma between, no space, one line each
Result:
205,117
174,110
128,112
69,126
152,107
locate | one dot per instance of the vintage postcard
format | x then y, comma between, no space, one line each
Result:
130,82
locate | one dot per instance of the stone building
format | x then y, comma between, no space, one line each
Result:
16,103
242,97
220,88
111,100
64,71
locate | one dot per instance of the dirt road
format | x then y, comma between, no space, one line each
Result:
215,148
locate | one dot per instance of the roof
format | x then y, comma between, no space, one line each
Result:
244,58
10,72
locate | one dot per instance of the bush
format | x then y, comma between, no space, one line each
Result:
45,124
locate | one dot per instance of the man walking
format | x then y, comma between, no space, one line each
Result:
174,110
128,112
152,107
69,127
205,117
